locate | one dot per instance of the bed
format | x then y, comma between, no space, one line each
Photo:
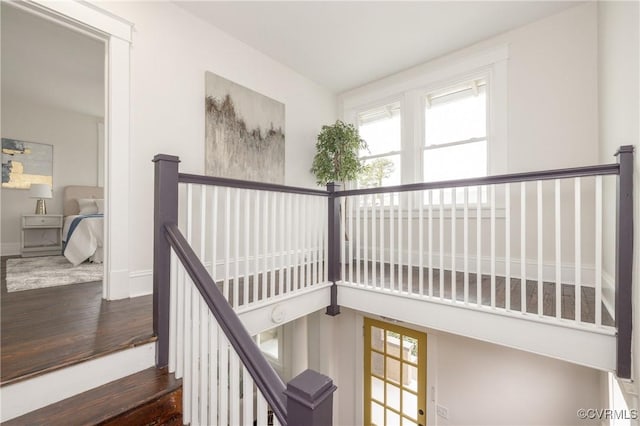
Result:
83,226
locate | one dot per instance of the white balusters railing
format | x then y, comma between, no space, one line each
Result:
257,245
498,246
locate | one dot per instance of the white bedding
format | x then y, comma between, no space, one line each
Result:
86,240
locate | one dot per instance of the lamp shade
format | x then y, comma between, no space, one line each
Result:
40,190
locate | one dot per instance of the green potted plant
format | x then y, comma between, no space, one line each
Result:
337,156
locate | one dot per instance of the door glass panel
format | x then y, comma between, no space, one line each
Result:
393,343
377,364
410,404
393,396
377,389
410,377
393,419
377,414
377,339
393,370
407,422
409,348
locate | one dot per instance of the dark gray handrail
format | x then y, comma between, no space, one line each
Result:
263,374
606,169
245,184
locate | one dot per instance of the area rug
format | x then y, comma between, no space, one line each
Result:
39,272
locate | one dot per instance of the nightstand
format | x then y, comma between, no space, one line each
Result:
41,235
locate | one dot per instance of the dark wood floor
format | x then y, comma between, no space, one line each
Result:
50,328
567,303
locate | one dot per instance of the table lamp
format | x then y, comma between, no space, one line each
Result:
40,191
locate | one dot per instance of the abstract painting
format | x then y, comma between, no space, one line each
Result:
24,163
244,137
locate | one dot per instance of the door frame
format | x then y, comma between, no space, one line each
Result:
116,33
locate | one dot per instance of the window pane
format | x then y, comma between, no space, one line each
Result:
380,127
456,162
456,117
393,396
377,414
382,171
377,389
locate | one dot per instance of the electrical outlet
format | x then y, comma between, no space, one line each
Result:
442,411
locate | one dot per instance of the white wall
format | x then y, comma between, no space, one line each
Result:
170,53
74,137
484,384
619,92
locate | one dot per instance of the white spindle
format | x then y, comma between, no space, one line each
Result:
523,247
180,316
325,233
234,388
214,234
256,244
479,245
598,241
382,220
350,202
507,246
441,242
465,243
265,249
558,249
204,362
227,243
400,266
272,240
189,215
578,249
195,354
261,410
365,248
173,303
318,237
409,243
188,327
492,191
454,283
213,369
357,202
540,240
290,240
374,264
236,251
247,251
281,254
247,397
430,245
391,243
305,240
421,243
223,371
343,239
203,224
297,276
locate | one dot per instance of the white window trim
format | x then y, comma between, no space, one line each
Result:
411,86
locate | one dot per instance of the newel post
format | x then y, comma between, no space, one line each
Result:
165,212
624,261
334,247
310,399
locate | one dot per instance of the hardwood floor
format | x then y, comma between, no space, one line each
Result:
567,303
50,328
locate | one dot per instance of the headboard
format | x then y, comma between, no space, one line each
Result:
72,193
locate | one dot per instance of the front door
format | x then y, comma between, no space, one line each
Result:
395,374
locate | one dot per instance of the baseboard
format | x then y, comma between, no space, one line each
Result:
9,249
29,395
140,283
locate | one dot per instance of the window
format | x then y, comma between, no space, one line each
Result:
381,129
455,132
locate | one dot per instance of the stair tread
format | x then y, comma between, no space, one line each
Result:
104,402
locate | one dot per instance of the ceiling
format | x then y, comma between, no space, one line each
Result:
342,45
50,64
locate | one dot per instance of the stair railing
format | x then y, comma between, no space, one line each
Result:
202,340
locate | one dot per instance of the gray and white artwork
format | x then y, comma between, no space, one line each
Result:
244,136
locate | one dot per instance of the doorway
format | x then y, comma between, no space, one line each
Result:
395,375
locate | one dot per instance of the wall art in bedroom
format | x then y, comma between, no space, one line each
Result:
244,136
24,163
